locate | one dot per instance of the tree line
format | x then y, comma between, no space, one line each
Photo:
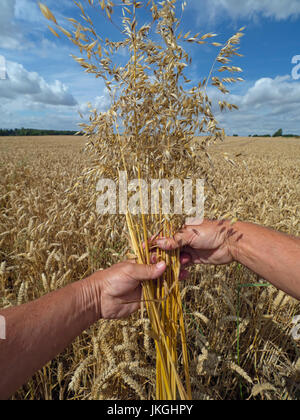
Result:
35,132
278,133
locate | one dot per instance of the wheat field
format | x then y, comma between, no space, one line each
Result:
238,327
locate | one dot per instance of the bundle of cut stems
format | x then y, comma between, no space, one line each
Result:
162,299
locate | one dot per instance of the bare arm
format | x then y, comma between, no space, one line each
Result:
38,331
273,255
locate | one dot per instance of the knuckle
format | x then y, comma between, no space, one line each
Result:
148,272
130,269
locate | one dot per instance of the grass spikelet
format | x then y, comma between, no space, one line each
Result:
47,13
75,381
22,293
260,388
233,366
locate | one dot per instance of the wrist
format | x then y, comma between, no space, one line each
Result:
232,238
88,301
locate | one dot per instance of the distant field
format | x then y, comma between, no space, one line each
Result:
43,142
238,335
259,146
289,147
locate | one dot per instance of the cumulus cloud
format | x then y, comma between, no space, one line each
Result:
23,83
277,9
280,91
265,106
28,100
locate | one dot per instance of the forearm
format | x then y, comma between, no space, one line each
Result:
38,331
273,255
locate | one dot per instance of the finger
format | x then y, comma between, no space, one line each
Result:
179,240
131,261
153,258
141,272
184,274
193,222
185,258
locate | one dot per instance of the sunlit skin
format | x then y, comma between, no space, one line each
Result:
38,331
274,256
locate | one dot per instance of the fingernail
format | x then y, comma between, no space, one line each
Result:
161,265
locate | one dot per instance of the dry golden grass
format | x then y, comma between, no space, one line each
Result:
158,113
238,334
261,147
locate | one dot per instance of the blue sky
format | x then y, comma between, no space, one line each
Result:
45,88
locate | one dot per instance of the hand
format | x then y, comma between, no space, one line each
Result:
205,243
121,289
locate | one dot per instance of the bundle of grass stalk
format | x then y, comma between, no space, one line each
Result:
151,125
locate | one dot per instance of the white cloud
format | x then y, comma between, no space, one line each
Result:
27,10
279,91
28,100
22,83
23,113
268,104
22,20
277,9
101,103
10,36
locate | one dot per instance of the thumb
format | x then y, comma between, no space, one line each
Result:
149,272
